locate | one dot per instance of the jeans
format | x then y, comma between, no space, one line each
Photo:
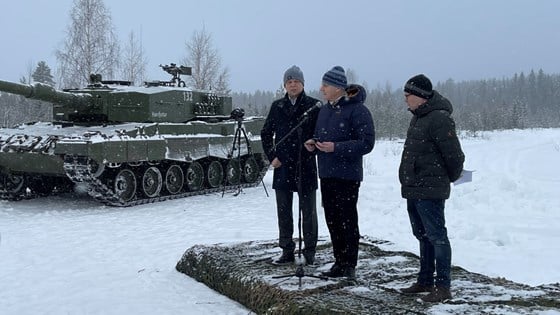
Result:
307,205
428,226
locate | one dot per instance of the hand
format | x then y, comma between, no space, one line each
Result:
325,146
276,163
310,145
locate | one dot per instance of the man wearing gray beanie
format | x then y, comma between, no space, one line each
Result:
294,73
295,169
344,133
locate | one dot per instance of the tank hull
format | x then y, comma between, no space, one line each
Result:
131,163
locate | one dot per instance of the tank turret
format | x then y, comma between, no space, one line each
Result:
118,101
131,145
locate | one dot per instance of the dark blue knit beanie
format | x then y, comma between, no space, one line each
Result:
336,77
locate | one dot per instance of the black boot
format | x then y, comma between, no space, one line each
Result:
336,272
309,257
349,273
286,258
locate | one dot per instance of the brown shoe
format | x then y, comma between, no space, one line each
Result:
439,294
417,288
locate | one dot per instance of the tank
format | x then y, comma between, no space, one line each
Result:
127,145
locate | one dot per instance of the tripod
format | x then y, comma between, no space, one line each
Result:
236,168
300,272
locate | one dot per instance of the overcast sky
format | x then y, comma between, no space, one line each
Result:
382,41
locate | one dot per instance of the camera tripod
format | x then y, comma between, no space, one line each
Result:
234,169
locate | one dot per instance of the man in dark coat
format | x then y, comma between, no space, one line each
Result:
343,135
432,158
295,169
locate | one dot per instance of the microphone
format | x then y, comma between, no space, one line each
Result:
312,108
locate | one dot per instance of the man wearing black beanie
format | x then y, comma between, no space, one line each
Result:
420,86
432,158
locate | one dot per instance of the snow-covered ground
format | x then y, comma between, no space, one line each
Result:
71,255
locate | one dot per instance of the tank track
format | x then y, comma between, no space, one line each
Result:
4,195
25,194
80,172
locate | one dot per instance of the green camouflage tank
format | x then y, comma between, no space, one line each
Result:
131,145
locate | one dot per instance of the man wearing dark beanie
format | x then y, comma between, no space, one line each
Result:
420,86
432,158
343,135
285,157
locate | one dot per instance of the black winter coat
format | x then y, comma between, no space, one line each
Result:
283,117
432,155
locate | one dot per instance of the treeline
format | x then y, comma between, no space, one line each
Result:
523,101
15,110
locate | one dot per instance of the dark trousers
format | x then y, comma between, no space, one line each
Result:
340,199
308,208
428,226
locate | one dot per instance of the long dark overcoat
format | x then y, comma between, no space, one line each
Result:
281,119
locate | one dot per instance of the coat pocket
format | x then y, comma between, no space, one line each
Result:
407,174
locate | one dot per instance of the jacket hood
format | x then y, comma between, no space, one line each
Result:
436,102
356,93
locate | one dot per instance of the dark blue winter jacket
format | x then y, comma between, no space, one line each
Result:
350,126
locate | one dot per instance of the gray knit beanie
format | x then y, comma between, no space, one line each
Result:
294,73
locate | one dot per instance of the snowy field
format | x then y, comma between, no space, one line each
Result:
71,255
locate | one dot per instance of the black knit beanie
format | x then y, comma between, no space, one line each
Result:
420,86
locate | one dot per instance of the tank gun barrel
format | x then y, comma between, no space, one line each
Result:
43,92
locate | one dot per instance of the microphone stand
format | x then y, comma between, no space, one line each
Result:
302,120
300,272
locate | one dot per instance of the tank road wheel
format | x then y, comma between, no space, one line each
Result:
250,170
125,184
215,174
152,182
95,168
13,184
195,176
174,179
233,172
42,186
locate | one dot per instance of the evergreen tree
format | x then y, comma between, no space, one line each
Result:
280,92
43,74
